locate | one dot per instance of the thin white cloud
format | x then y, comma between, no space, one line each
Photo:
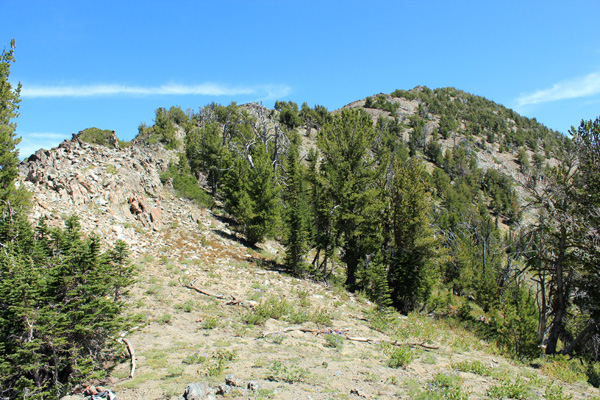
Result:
32,142
584,86
206,89
275,92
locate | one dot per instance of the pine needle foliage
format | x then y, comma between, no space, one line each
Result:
296,212
9,155
59,307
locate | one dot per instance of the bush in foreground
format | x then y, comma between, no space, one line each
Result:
59,307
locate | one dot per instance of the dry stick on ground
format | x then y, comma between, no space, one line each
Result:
353,338
131,356
307,330
392,342
207,293
231,300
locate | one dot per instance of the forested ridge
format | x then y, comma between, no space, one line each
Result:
387,196
407,198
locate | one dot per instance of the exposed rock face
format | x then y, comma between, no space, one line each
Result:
117,194
112,190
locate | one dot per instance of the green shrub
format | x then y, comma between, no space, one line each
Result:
556,392
186,185
444,386
96,136
510,390
474,367
400,357
299,316
210,323
273,307
334,341
320,316
279,372
216,364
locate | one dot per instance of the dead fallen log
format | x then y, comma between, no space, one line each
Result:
231,300
210,294
131,356
393,342
326,331
343,332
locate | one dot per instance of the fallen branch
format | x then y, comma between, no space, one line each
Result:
327,331
231,300
131,356
344,331
392,342
424,345
210,294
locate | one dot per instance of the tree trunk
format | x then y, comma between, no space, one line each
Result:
561,298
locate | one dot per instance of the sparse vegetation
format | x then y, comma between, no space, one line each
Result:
334,341
400,357
508,389
443,386
282,372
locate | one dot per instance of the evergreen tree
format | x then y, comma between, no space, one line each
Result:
251,194
296,212
58,315
349,171
323,235
206,153
264,194
164,127
9,155
413,250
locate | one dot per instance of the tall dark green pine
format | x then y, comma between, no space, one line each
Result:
296,211
9,155
323,236
207,153
349,170
251,195
264,195
414,247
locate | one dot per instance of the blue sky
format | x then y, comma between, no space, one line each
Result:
110,64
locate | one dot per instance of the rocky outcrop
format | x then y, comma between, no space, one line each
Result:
112,190
117,194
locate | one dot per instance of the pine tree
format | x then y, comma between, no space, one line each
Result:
296,212
251,195
264,195
206,153
349,171
323,236
414,247
58,316
9,155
